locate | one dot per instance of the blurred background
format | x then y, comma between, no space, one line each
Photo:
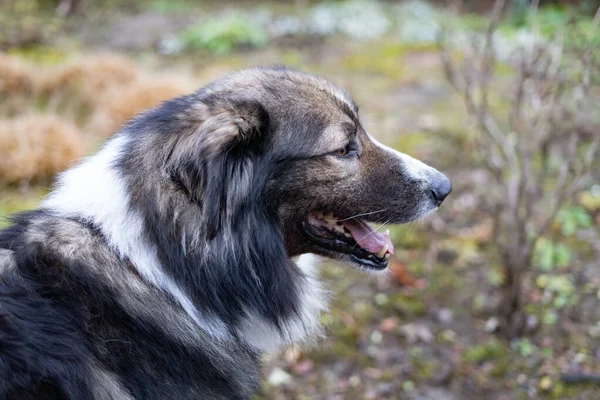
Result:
497,295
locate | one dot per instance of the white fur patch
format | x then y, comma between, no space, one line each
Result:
306,326
7,261
416,169
107,385
94,191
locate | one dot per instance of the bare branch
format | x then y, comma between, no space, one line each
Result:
549,119
489,57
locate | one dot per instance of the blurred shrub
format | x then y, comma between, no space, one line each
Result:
573,218
95,94
222,34
87,78
170,6
558,290
16,77
539,149
36,147
98,92
358,19
419,22
549,254
16,85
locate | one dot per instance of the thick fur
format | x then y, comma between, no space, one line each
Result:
163,266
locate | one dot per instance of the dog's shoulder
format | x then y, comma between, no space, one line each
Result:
76,321
37,239
37,338
40,345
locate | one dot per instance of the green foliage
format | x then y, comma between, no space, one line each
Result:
524,347
590,199
549,255
171,6
223,34
559,288
405,304
489,351
550,317
40,54
548,19
576,23
572,218
408,386
14,201
422,368
493,351
494,276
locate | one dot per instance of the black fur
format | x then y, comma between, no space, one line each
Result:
58,321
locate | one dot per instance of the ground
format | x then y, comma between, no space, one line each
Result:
424,329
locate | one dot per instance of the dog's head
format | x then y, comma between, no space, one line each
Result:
294,145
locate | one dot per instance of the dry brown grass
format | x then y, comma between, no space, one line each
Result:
16,77
93,94
99,92
35,147
122,104
17,82
88,77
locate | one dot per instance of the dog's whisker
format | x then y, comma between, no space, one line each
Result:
363,214
383,225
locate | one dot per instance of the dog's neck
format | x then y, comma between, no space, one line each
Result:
215,283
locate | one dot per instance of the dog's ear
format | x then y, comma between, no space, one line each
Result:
215,163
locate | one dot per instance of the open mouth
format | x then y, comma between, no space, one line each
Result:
351,236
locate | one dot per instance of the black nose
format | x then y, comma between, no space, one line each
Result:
440,188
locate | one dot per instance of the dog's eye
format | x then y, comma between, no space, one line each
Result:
347,150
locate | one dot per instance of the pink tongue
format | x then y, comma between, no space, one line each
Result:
367,237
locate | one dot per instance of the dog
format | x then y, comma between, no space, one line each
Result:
166,264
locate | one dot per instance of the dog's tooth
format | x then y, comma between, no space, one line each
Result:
383,250
338,228
329,217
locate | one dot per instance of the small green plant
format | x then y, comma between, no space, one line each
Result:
549,255
524,347
489,351
559,289
223,34
573,218
549,19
